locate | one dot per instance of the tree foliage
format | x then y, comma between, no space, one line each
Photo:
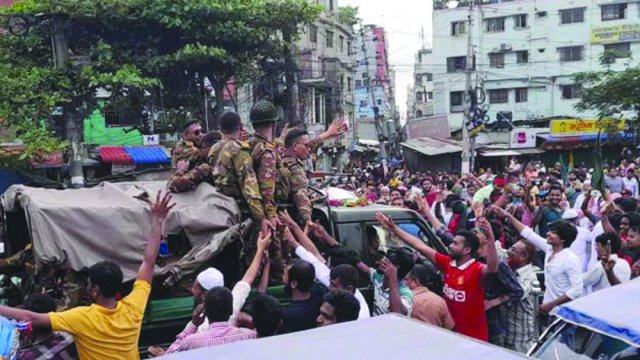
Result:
611,94
348,15
143,51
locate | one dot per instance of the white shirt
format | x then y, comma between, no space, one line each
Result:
597,277
585,248
323,275
631,184
562,273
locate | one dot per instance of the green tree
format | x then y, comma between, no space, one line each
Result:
142,51
348,15
611,94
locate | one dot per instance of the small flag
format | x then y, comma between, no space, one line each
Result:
597,178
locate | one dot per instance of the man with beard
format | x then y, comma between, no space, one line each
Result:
548,214
189,158
428,191
306,297
463,275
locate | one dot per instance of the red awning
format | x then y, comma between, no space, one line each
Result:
115,155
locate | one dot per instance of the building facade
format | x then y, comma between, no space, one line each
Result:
526,52
375,113
420,95
326,65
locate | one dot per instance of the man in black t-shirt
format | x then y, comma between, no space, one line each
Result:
306,297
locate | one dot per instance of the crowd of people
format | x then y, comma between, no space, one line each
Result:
502,230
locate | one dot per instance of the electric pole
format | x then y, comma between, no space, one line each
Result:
291,79
467,146
60,53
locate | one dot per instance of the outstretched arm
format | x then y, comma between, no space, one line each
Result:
159,211
409,239
37,320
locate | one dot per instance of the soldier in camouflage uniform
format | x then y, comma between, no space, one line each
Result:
233,172
266,162
294,182
190,166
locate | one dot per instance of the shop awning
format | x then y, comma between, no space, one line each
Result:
134,155
115,155
147,155
530,151
498,153
431,146
575,142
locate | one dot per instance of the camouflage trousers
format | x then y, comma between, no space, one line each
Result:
278,250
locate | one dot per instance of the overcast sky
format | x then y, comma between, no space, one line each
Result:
403,21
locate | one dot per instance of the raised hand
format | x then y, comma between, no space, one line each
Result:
286,219
161,207
385,221
337,127
264,240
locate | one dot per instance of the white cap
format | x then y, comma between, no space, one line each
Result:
570,214
210,278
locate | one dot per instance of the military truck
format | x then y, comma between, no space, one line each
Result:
170,305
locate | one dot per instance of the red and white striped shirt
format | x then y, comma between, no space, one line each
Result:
218,333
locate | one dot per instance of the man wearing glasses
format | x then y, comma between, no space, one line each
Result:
521,332
189,158
298,147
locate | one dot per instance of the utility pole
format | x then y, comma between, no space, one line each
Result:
374,105
60,52
291,78
467,146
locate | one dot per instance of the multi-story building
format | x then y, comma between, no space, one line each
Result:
420,95
326,80
526,52
324,83
375,111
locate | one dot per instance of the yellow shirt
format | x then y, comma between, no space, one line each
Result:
101,333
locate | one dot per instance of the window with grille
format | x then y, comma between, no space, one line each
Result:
571,91
496,60
522,95
520,21
613,12
499,96
458,64
329,39
571,53
619,50
313,34
458,28
522,57
455,101
571,16
494,24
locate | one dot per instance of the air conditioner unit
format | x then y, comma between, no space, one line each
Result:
505,47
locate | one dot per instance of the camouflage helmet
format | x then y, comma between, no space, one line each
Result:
263,112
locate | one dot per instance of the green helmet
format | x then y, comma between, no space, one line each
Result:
262,112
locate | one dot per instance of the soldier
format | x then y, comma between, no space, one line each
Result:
189,158
266,161
298,147
232,169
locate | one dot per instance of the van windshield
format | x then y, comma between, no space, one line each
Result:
570,342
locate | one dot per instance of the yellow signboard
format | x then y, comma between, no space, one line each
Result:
613,34
574,127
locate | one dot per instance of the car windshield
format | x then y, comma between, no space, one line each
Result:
570,342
